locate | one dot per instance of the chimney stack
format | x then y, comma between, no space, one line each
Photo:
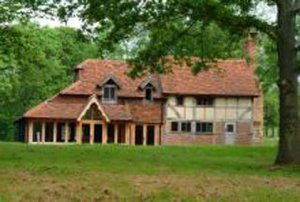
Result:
250,47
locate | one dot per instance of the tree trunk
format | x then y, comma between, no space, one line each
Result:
289,137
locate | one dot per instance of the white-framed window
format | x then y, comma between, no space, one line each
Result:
181,126
230,128
186,126
109,94
204,127
205,101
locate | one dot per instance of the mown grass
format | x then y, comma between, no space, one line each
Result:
127,173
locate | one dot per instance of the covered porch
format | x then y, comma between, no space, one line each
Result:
40,131
91,123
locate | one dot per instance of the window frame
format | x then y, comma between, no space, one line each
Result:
110,99
206,101
179,98
177,126
186,127
204,132
151,94
234,128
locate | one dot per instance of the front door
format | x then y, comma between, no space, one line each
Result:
230,133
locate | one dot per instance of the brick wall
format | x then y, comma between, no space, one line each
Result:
243,135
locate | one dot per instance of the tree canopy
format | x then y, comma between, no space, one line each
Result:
36,63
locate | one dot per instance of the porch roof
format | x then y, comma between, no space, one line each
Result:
72,107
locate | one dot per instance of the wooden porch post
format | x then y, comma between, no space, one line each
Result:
116,133
30,131
104,132
43,132
132,133
156,134
92,130
67,132
144,134
55,132
79,132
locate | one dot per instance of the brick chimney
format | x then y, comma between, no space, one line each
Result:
250,47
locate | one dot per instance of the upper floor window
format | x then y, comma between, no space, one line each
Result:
109,93
179,100
149,94
205,101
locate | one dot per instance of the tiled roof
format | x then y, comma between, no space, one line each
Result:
227,77
66,107
59,107
146,113
94,71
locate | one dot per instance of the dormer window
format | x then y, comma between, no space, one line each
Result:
109,93
109,89
148,86
149,94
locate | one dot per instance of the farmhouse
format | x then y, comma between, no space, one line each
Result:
222,105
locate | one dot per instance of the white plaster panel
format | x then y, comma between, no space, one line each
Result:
199,113
189,113
209,113
171,113
245,102
189,101
231,113
220,113
172,100
220,102
245,114
232,102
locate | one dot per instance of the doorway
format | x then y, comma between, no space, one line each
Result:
98,133
110,133
139,135
150,135
86,133
230,133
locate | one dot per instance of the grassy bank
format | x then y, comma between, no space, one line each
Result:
126,173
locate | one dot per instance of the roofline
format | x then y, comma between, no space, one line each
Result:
212,95
93,100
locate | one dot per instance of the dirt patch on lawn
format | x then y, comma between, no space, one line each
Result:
105,186
205,188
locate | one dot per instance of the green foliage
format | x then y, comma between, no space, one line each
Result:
267,72
35,63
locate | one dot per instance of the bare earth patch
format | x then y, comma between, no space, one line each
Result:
105,186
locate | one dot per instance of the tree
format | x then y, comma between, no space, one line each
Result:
170,20
36,63
268,77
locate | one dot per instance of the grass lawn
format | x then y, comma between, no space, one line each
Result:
127,173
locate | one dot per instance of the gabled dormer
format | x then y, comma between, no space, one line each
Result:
149,87
109,86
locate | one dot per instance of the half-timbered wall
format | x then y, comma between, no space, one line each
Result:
234,110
